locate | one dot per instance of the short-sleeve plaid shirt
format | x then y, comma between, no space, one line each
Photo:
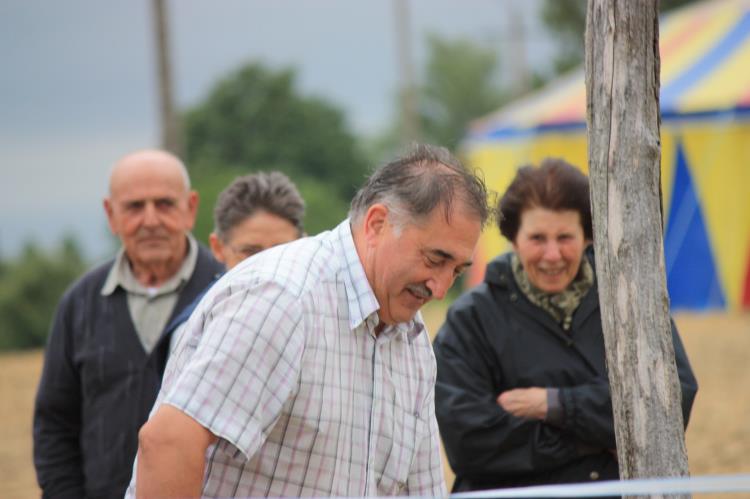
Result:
280,361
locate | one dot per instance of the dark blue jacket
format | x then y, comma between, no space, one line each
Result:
98,386
186,312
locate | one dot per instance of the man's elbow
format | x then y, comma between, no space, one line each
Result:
152,440
159,455
171,455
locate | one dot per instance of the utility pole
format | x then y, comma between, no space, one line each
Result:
517,53
622,112
168,118
407,93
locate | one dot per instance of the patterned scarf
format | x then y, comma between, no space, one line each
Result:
559,305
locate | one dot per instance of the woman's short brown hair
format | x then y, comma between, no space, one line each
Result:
555,185
271,191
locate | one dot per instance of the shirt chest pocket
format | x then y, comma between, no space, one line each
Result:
399,451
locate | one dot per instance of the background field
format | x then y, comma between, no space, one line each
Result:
718,438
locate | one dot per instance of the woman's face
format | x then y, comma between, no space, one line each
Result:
550,245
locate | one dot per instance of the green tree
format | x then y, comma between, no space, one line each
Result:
30,289
566,20
255,119
323,211
460,84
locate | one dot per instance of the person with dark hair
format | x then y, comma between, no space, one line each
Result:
255,212
312,372
108,344
522,395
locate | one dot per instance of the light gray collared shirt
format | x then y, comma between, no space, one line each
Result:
150,307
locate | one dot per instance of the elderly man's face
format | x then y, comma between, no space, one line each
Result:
411,266
150,209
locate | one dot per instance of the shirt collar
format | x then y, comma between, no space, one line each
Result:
408,330
120,274
363,305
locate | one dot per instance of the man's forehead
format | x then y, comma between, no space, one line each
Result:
454,238
130,197
135,192
145,184
148,169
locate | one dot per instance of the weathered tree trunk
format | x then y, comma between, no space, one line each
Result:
622,83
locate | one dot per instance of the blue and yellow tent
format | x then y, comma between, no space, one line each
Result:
705,106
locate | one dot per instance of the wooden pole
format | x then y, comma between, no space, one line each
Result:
622,94
410,128
168,117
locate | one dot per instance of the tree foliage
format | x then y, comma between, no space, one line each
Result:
566,20
255,119
460,84
30,287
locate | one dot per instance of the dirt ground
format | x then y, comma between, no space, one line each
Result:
19,375
718,437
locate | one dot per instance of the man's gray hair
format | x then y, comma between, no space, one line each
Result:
272,192
415,184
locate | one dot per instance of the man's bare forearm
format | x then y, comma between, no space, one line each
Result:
168,473
171,456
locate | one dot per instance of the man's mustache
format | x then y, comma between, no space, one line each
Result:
147,232
420,290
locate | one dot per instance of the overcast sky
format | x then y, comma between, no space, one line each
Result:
78,86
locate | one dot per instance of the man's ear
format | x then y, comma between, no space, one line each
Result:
217,247
193,199
375,222
109,210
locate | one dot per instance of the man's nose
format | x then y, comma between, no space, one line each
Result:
150,217
440,284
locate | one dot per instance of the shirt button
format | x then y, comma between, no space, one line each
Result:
513,297
594,475
401,486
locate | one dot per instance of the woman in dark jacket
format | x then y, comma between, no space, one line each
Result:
522,395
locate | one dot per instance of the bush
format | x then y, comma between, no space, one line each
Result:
30,287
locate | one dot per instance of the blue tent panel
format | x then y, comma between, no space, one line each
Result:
692,280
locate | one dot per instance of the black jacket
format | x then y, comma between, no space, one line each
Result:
494,339
97,387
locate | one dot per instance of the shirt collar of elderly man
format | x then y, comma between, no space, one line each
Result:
151,209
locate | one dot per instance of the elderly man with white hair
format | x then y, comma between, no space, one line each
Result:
106,352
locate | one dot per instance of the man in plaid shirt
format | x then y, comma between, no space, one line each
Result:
307,370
